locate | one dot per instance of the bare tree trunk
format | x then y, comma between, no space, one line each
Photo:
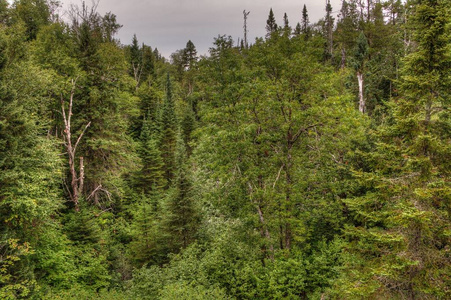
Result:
245,14
266,231
77,181
361,96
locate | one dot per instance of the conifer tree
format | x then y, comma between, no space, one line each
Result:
151,176
190,55
286,25
328,31
168,140
298,29
399,243
135,60
181,212
305,27
271,25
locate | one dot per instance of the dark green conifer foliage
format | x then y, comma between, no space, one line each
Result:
298,29
400,240
286,26
151,175
135,58
305,27
190,55
187,127
181,218
34,13
328,31
271,25
168,139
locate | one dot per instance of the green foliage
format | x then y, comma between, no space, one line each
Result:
245,174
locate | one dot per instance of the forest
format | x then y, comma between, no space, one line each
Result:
311,163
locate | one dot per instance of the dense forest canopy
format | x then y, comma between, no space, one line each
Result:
312,163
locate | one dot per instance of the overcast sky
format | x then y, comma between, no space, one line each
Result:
169,24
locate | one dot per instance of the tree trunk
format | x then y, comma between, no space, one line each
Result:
362,107
77,180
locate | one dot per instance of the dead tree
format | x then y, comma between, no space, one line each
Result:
245,14
77,178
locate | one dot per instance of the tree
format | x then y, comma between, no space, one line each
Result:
34,13
245,15
77,180
305,27
398,242
136,60
328,31
151,176
286,26
168,134
271,25
360,57
181,213
190,55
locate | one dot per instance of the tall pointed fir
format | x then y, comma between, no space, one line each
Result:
328,31
151,176
401,238
181,215
271,25
168,130
305,27
286,26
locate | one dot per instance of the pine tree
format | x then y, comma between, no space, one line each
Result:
400,241
286,26
151,176
328,31
135,60
168,123
298,29
271,25
305,27
181,218
190,55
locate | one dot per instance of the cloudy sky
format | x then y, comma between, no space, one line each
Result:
169,24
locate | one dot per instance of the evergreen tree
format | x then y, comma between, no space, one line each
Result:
305,27
298,29
286,26
399,241
151,175
181,218
135,59
168,134
190,55
328,31
271,25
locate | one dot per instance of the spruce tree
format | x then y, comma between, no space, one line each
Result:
399,242
286,26
168,142
151,176
298,29
181,216
190,55
328,31
271,25
305,27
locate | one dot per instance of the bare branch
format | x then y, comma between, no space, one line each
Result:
278,176
80,136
